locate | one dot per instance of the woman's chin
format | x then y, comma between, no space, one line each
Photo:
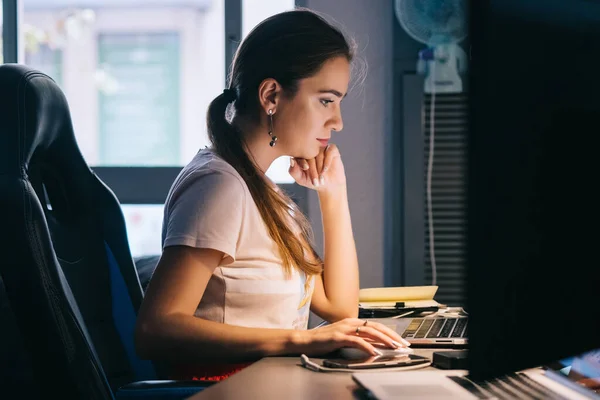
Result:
307,155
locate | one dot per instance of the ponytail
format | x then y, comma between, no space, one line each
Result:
277,210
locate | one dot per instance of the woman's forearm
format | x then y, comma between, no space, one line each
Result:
340,272
202,340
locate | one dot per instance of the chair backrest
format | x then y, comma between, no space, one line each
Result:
65,259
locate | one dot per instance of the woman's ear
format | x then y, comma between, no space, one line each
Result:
269,94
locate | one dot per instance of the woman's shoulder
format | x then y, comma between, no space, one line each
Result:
211,172
208,161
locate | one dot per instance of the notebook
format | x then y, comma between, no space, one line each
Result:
388,297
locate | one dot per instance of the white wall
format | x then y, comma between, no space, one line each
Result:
367,114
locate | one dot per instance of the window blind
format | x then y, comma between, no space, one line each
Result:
448,193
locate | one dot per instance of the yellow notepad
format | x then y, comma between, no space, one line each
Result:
412,296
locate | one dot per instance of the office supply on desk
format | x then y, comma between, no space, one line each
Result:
450,359
377,362
317,365
398,297
397,302
395,312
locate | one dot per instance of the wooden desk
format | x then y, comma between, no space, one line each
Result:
283,378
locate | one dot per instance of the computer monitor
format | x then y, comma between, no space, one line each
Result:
533,241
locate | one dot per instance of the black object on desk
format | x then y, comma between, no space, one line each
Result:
450,359
393,312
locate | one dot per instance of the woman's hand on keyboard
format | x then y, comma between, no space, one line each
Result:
349,332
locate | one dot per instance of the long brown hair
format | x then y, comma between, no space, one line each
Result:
287,47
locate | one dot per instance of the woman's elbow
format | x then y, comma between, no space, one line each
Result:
143,338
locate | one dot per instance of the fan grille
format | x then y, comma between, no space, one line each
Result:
433,21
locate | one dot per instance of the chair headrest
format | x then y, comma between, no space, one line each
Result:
35,123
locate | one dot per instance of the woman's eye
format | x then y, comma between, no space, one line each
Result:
325,102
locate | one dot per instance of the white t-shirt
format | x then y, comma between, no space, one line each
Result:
210,206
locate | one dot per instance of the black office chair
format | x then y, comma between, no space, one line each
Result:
64,256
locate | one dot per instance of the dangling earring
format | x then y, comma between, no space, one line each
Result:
273,141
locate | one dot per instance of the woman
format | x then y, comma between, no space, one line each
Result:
238,274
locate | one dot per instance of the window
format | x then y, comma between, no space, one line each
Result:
255,11
144,227
46,59
138,113
135,76
138,78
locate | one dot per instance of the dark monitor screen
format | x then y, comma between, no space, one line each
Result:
533,253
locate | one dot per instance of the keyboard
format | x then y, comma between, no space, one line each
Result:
511,386
420,328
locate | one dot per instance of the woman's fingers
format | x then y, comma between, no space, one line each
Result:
377,336
295,170
301,172
388,332
330,153
320,162
302,163
360,343
320,159
381,328
313,174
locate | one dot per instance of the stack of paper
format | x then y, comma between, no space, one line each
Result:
387,297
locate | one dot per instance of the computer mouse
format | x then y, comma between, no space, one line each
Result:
352,353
